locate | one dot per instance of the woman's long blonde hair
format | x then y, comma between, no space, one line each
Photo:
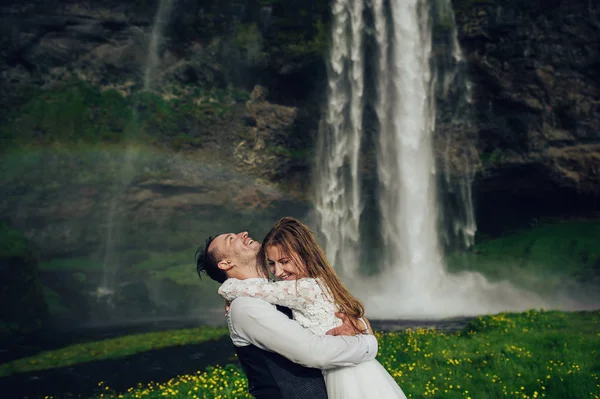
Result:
298,242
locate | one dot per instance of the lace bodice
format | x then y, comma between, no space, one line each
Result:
308,298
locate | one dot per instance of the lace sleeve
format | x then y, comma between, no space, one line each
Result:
294,294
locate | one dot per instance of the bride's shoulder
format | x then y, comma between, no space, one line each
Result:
308,281
311,284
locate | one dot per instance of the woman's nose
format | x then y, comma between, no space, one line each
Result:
276,270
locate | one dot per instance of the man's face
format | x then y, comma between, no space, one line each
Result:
238,248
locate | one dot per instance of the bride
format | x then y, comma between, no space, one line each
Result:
309,286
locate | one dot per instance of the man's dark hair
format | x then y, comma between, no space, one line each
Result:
207,262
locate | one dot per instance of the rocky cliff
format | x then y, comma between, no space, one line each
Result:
533,67
114,169
23,308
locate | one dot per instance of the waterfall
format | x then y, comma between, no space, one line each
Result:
408,182
339,202
450,83
115,219
422,195
115,223
160,20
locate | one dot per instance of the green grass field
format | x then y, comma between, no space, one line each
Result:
529,355
535,354
114,348
538,257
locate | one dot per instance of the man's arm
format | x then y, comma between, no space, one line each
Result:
349,326
267,328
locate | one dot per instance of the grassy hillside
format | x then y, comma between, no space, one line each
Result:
545,254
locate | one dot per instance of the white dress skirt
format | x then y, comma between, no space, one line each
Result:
313,308
368,380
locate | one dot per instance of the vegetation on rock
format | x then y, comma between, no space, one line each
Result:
545,256
13,243
76,112
23,308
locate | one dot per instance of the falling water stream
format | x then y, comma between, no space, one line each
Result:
340,204
116,220
412,280
160,21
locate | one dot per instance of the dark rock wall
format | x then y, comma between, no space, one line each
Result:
23,309
535,67
533,138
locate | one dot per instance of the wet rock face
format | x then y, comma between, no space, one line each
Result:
536,91
74,201
47,41
535,72
264,149
534,69
106,44
206,43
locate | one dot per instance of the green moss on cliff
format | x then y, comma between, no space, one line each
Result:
73,112
248,38
299,35
492,157
76,112
56,306
12,242
71,264
295,44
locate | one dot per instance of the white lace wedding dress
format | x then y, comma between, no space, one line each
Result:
312,307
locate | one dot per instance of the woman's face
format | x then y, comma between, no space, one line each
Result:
284,267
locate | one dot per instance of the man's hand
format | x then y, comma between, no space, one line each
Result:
348,328
227,305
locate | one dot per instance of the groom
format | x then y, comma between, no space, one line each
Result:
281,359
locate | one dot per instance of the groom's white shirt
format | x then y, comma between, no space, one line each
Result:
253,321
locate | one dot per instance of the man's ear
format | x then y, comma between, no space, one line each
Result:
225,265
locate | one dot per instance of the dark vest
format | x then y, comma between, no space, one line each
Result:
272,376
